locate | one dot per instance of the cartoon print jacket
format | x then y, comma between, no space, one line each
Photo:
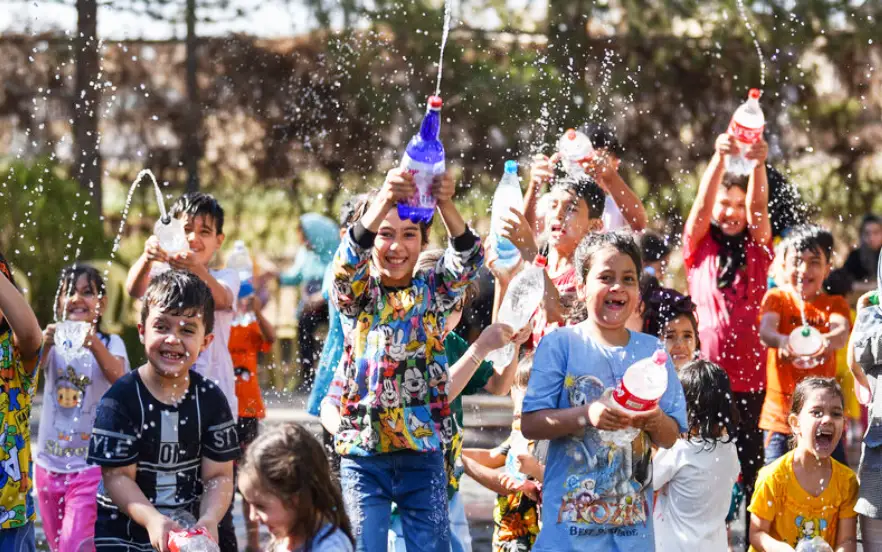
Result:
392,386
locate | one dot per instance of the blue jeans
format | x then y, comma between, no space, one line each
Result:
20,539
460,538
415,481
778,444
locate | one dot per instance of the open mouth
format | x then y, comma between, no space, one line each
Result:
396,262
172,356
556,229
615,304
824,439
78,311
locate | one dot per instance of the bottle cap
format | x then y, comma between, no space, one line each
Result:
659,357
511,167
754,93
570,134
806,331
435,103
541,261
238,244
874,298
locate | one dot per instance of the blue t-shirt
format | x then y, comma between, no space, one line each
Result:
595,496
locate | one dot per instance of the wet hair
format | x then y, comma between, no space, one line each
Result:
620,240
199,204
429,259
806,386
602,137
525,368
839,282
786,207
735,181
710,403
662,305
585,188
809,237
653,247
67,282
179,293
290,463
364,201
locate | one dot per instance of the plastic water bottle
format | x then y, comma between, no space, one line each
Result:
746,127
575,148
192,540
171,235
521,300
816,544
641,388
508,195
424,159
519,445
240,261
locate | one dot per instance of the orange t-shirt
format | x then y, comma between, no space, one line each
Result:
782,375
245,343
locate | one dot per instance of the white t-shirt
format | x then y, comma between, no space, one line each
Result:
696,491
215,362
612,216
70,400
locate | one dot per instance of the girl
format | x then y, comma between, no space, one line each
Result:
286,479
66,484
20,341
670,316
805,493
693,477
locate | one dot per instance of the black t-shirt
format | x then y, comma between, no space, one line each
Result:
855,267
166,442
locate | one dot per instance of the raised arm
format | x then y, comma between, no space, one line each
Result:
541,173
607,173
699,221
493,337
113,367
25,328
139,275
758,223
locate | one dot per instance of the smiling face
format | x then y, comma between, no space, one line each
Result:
397,249
567,220
202,237
82,305
805,272
610,290
680,340
173,341
730,210
266,508
820,422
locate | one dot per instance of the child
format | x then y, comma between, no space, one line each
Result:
862,262
727,255
807,253
694,478
515,514
20,342
248,339
66,484
286,480
806,494
670,316
597,496
396,417
164,438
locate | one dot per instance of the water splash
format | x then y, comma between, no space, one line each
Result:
444,35
742,10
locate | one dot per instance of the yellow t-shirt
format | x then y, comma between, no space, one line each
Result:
794,513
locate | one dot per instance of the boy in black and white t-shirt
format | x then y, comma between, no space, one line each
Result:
164,436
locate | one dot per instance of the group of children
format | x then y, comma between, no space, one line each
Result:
124,456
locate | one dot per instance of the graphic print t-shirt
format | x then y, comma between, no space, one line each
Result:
166,442
596,496
70,399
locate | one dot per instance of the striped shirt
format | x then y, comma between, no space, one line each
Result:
166,442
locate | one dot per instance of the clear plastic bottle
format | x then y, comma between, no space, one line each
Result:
575,148
746,127
641,388
508,196
171,235
518,445
189,539
522,298
816,544
240,261
424,158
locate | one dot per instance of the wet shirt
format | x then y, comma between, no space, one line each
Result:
724,313
70,400
394,367
166,442
16,471
245,343
797,515
596,496
783,375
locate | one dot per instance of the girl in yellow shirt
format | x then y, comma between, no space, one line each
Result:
806,494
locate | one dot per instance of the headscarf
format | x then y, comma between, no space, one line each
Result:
322,233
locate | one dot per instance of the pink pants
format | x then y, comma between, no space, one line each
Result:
68,507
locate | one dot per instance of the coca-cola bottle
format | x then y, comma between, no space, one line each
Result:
575,149
641,388
746,127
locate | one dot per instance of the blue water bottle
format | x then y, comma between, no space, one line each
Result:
424,159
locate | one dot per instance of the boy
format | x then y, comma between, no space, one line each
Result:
597,495
164,439
395,413
727,253
807,253
20,342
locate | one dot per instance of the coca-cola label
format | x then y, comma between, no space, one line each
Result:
179,541
628,400
744,134
423,174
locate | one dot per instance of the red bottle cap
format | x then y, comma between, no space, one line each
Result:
435,103
571,134
541,261
659,357
754,93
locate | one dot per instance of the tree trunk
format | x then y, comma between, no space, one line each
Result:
87,156
192,146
